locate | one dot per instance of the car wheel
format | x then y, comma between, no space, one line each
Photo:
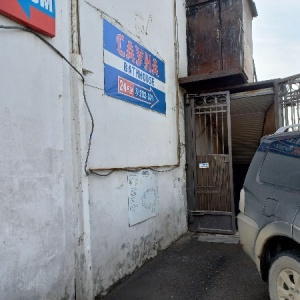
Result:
284,277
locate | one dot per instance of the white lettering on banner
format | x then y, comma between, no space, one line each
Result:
137,73
47,4
118,64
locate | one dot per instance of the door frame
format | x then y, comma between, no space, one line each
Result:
194,216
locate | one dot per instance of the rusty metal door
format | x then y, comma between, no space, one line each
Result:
209,157
287,94
204,37
216,40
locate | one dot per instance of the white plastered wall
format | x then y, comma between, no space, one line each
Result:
37,191
126,135
58,225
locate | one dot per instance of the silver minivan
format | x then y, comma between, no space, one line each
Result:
269,218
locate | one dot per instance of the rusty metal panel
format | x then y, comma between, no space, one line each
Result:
203,37
247,41
219,37
232,33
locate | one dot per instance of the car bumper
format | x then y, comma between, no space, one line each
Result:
248,230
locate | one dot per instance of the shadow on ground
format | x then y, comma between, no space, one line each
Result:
193,269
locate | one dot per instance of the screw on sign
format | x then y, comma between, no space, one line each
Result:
38,15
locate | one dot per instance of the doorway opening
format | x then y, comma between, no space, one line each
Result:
223,131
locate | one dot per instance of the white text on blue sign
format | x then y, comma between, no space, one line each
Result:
132,73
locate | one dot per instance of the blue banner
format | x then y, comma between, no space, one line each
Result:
131,72
46,7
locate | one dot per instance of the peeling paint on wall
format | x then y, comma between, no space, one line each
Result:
142,196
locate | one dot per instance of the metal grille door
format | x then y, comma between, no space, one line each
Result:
213,206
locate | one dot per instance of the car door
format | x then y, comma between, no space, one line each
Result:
280,177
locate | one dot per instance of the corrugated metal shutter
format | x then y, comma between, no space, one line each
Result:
248,119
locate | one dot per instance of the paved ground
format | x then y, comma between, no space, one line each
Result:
193,269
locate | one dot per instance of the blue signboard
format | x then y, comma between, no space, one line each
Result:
131,72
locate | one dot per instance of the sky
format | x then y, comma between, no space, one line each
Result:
276,38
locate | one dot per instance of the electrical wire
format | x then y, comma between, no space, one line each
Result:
87,172
101,175
133,170
164,171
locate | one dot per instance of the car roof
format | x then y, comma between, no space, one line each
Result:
280,136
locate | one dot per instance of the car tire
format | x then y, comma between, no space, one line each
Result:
284,276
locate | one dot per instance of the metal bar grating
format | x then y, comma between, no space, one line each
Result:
288,101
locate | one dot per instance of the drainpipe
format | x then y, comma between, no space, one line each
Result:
176,52
83,263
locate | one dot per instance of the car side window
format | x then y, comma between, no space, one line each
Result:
281,166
